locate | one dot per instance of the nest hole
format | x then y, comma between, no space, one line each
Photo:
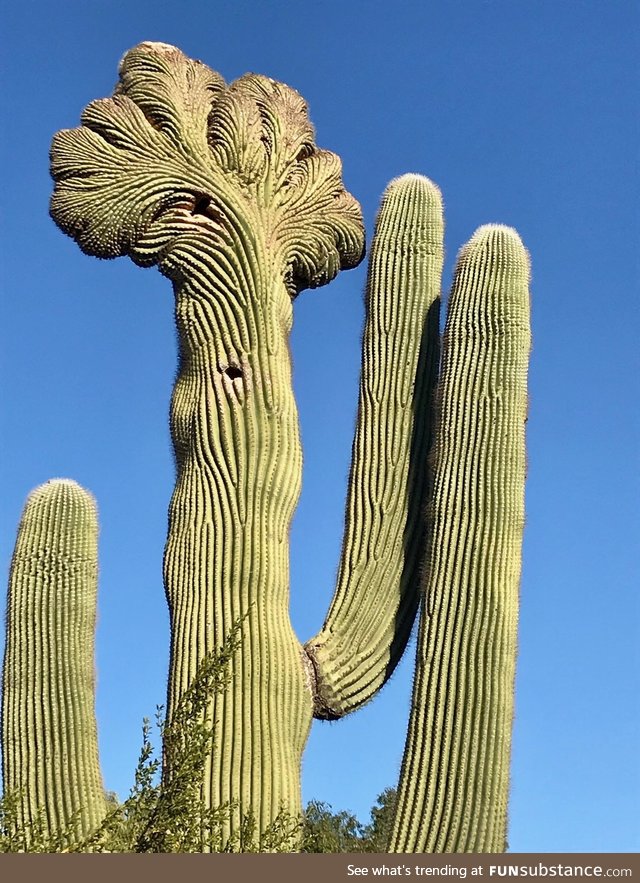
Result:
233,372
204,206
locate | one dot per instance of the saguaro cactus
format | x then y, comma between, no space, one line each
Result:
49,736
223,189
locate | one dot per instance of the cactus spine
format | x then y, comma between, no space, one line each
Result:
223,188
49,736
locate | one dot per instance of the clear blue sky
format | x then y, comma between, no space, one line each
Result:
524,113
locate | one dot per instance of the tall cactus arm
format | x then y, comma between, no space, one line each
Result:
224,190
48,728
455,774
374,606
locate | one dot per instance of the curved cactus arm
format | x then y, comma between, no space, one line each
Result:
455,774
48,728
223,188
377,595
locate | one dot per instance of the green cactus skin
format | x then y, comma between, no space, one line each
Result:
374,606
223,188
48,730
455,776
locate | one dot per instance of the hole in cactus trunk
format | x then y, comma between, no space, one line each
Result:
204,206
233,372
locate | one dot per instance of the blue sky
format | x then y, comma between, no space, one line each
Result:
524,113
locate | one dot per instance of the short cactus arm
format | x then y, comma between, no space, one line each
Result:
48,729
455,775
377,595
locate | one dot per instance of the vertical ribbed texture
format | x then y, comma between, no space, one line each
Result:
374,606
235,431
49,736
455,775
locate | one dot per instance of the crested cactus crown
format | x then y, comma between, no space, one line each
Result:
176,154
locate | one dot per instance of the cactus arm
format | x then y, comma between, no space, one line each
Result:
376,598
454,780
48,730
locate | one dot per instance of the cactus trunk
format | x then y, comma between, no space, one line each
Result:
235,432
